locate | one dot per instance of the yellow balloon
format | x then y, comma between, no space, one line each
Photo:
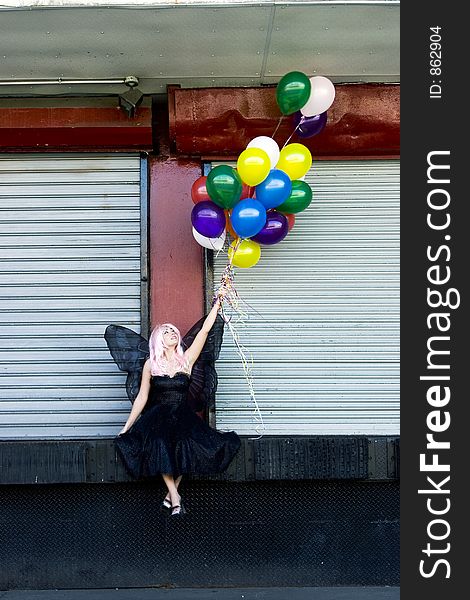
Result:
253,166
246,255
295,160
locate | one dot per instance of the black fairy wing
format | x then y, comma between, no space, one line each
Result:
203,384
129,351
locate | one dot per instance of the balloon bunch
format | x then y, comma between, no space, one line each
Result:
256,203
307,99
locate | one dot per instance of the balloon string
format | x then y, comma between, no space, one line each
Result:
237,245
289,138
252,308
277,127
247,365
233,300
270,323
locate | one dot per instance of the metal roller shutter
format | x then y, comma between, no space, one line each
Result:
323,324
70,264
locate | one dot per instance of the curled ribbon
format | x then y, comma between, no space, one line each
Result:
233,300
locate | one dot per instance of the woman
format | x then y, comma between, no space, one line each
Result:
169,438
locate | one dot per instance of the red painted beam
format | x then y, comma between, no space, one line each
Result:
363,122
70,129
176,259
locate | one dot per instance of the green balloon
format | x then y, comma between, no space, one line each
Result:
292,92
300,197
224,186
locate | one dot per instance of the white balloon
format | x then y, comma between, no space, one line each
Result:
269,146
321,97
210,243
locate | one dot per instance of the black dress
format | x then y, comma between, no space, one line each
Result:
169,437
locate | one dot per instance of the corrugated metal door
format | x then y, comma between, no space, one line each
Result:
70,264
323,324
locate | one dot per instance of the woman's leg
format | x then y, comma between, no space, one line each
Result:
177,481
172,486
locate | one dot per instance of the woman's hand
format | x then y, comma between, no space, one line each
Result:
123,430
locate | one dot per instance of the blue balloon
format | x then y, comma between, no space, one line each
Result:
275,189
248,217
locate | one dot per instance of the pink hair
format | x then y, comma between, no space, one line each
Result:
157,349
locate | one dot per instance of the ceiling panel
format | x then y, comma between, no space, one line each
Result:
196,43
337,41
200,46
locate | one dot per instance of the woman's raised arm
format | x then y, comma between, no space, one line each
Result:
193,352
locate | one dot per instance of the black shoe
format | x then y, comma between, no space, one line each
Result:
165,506
178,513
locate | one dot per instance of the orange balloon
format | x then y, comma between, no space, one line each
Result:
228,224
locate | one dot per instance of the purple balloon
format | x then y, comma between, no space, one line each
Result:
309,126
208,219
275,230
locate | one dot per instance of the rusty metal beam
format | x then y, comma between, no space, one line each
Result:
71,129
363,122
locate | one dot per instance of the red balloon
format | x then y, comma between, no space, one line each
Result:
199,191
290,220
248,191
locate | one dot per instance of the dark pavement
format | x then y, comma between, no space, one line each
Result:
310,593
